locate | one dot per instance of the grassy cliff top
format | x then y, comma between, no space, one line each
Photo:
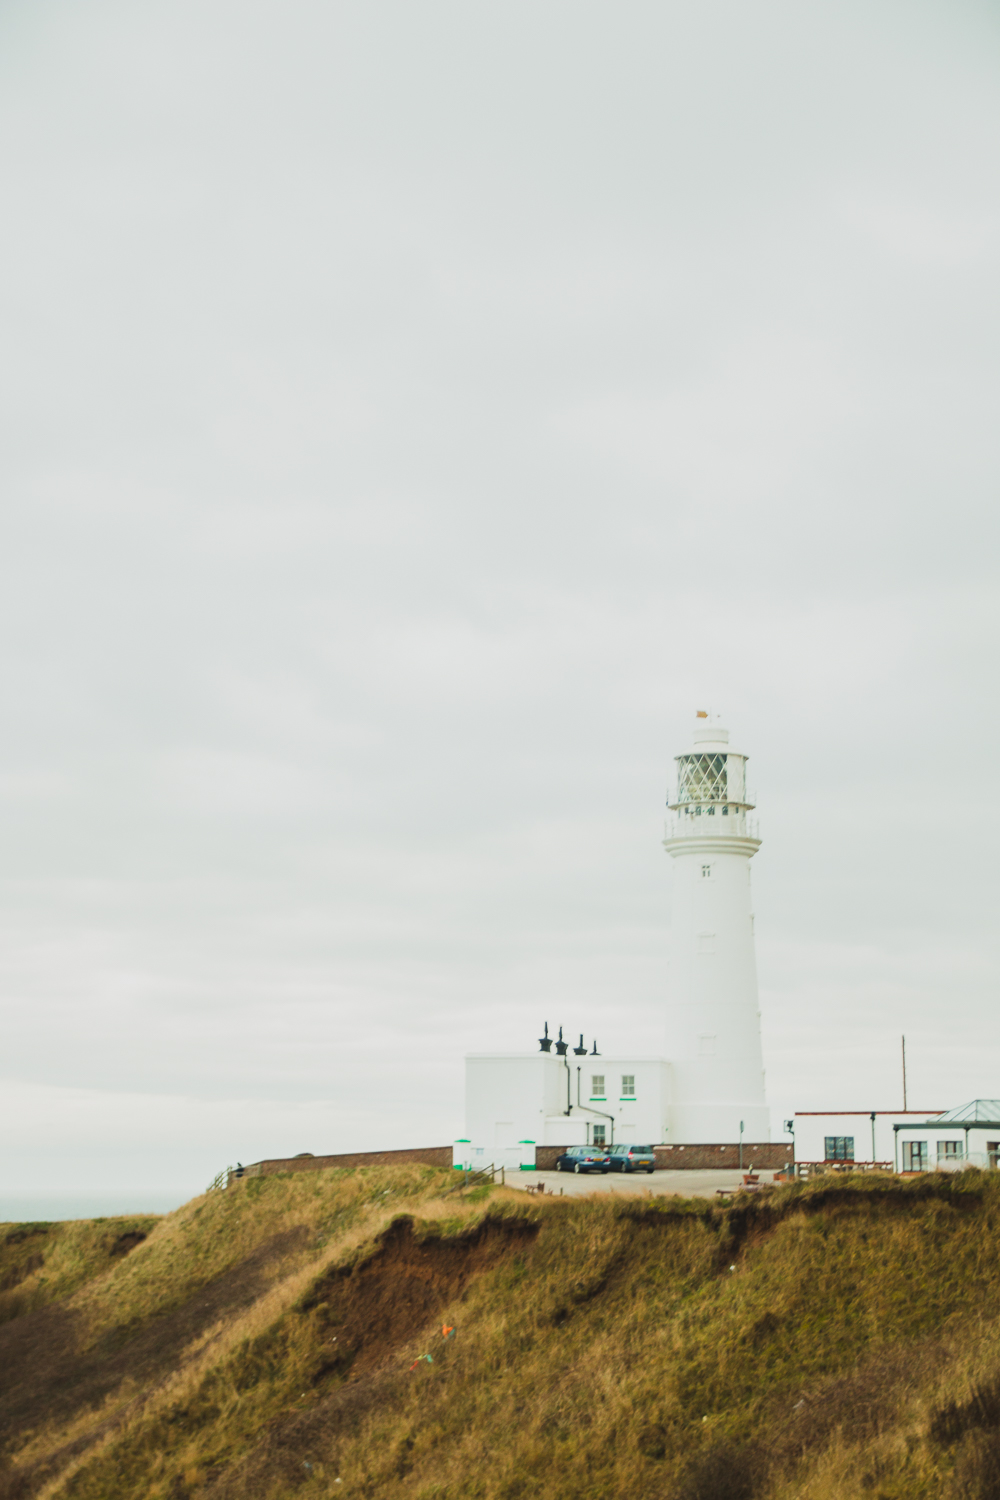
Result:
289,1337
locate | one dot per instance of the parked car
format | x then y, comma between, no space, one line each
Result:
584,1159
632,1159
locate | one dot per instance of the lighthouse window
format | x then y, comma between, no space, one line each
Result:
706,942
706,872
628,1085
702,778
706,1046
597,1086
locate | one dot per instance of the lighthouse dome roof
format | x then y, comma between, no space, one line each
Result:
710,736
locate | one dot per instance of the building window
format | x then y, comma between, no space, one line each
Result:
706,872
992,1152
628,1085
599,1135
597,1086
950,1150
838,1148
706,942
914,1156
706,1046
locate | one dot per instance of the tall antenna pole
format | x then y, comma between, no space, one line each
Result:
904,1075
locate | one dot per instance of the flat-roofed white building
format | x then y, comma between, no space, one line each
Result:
913,1140
846,1135
516,1102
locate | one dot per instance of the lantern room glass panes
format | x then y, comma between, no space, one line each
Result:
702,778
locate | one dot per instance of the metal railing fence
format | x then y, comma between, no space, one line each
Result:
472,1178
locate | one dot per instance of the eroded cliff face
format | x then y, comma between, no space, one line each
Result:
373,1332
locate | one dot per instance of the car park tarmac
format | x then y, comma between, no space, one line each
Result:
684,1184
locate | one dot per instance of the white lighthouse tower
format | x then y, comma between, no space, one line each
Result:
713,1027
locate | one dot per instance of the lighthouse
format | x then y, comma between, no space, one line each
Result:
524,1108
713,1023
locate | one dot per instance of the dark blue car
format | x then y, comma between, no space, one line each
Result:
584,1159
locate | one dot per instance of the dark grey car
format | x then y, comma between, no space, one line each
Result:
632,1159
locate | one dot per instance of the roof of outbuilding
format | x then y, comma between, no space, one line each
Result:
987,1110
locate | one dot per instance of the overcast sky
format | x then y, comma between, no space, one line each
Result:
413,413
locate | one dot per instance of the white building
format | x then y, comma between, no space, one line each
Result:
911,1140
516,1102
859,1135
966,1136
711,1087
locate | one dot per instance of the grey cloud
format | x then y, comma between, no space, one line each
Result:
410,417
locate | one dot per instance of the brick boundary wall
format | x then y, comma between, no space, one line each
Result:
428,1156
769,1155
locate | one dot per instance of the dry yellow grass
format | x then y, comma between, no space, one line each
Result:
831,1340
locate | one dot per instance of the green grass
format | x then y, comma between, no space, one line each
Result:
830,1339
41,1263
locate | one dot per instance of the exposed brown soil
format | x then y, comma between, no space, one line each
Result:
48,1373
123,1243
374,1307
374,1310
